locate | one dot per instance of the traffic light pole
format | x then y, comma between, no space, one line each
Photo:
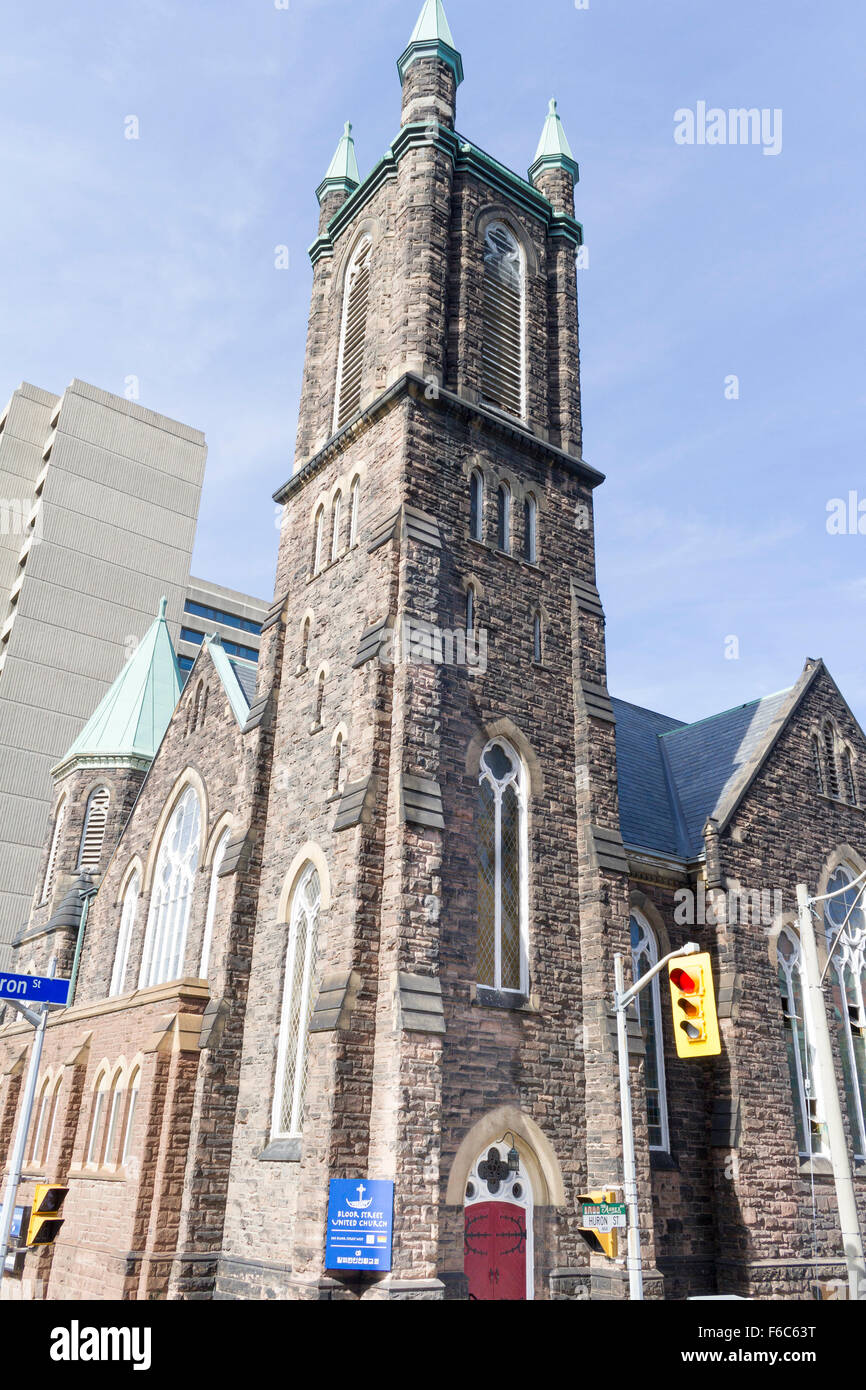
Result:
830,1103
623,998
39,1020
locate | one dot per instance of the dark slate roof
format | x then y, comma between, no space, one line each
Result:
672,775
246,674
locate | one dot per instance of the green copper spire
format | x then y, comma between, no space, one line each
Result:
128,725
554,151
431,38
343,169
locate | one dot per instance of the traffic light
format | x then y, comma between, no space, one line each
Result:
605,1241
696,1025
45,1218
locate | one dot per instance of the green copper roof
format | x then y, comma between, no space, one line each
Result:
343,169
130,721
431,37
554,151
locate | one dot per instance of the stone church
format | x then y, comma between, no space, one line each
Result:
352,912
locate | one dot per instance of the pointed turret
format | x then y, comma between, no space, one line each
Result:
127,726
554,170
430,68
342,175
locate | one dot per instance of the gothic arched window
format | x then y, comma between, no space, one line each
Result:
93,834
354,512
470,608
353,332
845,925
291,1076
644,955
338,764
817,763
502,321
832,767
171,893
59,821
318,539
799,1049
476,506
502,869
503,518
536,638
336,512
530,529
124,936
848,783
218,856
134,1087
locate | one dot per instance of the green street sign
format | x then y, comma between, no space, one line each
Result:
604,1216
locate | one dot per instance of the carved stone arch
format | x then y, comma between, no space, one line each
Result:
190,777
472,578
310,853
783,921
845,855
134,866
647,908
368,227
499,212
506,728
537,1156
225,822
342,730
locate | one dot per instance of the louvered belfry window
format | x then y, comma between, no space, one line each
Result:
93,835
502,335
353,332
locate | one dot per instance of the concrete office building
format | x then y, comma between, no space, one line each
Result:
235,618
98,506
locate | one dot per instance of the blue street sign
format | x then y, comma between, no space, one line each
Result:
360,1219
40,989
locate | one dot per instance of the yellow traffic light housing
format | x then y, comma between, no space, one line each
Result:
45,1218
605,1241
693,1000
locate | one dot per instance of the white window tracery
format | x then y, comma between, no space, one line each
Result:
502,844
124,936
291,1075
171,894
845,925
644,955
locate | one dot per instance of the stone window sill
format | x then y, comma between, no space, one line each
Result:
508,999
507,554
281,1151
316,728
817,1167
98,1174
662,1161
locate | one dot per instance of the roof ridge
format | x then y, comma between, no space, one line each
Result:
746,704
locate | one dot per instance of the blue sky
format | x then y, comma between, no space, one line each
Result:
154,258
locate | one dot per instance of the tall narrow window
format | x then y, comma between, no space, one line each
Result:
845,923
171,894
42,1109
318,539
93,834
59,821
291,1076
93,1142
502,871
305,643
338,763
134,1086
800,1068
476,506
530,526
848,782
470,608
644,955
320,701
817,763
503,518
502,321
219,855
124,936
114,1108
832,769
536,639
52,1119
336,510
353,332
354,512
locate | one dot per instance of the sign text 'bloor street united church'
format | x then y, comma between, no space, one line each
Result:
360,1218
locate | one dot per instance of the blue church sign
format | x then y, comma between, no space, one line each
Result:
360,1219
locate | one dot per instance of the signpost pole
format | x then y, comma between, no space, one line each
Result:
17,1160
633,1259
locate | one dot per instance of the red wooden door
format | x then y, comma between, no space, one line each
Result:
494,1251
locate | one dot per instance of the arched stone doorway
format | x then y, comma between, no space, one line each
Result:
498,1228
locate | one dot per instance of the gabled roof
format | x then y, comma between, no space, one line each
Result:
238,677
128,724
673,776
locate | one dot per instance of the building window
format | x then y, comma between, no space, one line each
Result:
502,321
536,638
114,1108
134,1086
41,1120
219,615
318,536
845,925
338,764
336,510
816,759
353,332
832,769
530,529
502,869
291,1077
59,821
503,518
644,955
476,506
354,512
470,608
848,778
98,1109
799,1050
93,835
320,700
305,644
124,936
219,855
171,894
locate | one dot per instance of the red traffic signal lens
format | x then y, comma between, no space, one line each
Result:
683,980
